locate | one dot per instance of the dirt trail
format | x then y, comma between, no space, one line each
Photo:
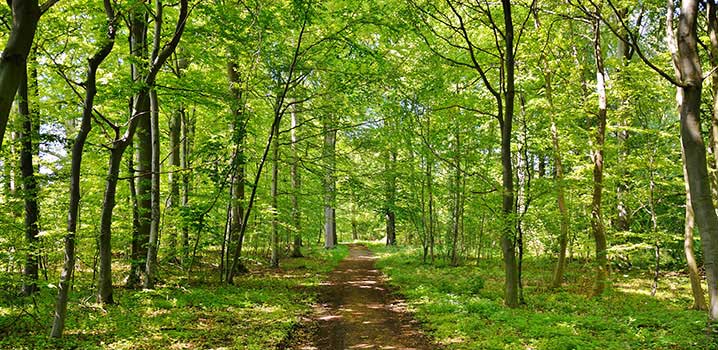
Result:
359,312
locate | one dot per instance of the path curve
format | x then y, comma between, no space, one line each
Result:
357,310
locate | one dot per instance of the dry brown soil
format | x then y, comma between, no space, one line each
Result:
358,311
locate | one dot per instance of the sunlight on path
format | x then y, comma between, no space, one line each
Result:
358,312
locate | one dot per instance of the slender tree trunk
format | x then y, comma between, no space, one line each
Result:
523,177
274,262
456,196
154,131
143,148
104,284
29,184
25,16
430,191
355,231
390,198
151,261
172,178
186,177
558,178
597,227
239,125
508,246
68,268
329,156
296,188
654,226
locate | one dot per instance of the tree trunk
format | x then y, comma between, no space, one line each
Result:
172,178
296,188
690,76
713,35
104,284
239,125
390,178
29,184
119,145
58,324
597,227
274,262
654,225
329,156
456,199
151,263
430,192
622,218
558,179
185,131
143,148
25,15
694,274
508,246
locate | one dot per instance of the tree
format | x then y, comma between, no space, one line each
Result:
329,182
689,79
119,144
25,16
78,146
29,183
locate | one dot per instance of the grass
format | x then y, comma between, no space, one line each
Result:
258,312
463,307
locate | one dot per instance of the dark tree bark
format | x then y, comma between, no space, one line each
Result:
58,324
391,198
104,284
25,16
506,120
29,185
240,133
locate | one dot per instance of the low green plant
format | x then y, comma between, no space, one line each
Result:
462,307
257,312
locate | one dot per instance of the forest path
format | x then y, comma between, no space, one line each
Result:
357,311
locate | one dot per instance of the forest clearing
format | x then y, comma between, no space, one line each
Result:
340,174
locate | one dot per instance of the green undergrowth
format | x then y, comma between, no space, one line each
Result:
463,307
258,312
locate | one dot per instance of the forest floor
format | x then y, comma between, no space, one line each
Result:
462,307
357,310
257,313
